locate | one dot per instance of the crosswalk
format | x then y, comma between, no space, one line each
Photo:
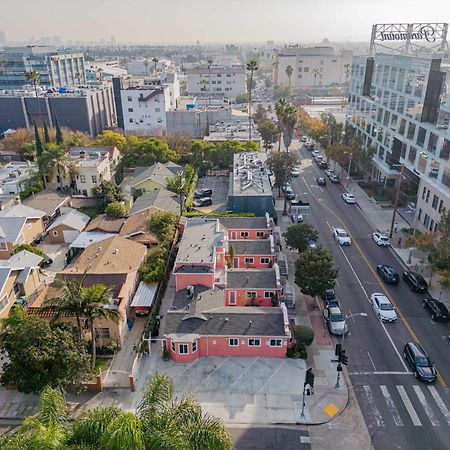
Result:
404,406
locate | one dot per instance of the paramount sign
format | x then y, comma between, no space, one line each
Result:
425,33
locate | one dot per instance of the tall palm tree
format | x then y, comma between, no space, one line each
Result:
146,66
96,300
55,162
289,72
315,73
252,66
35,79
280,107
289,120
155,61
348,71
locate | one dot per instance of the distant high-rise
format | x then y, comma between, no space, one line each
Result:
55,68
2,38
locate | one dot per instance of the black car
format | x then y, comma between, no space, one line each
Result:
420,362
200,193
323,165
206,201
437,309
388,274
321,181
415,281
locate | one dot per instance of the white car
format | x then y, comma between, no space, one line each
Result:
295,172
341,236
383,308
381,239
348,198
296,218
316,152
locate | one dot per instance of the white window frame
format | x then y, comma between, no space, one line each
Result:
254,344
244,234
183,346
194,346
94,179
249,260
233,342
269,294
3,246
265,260
274,342
230,300
173,347
82,179
251,294
4,302
55,233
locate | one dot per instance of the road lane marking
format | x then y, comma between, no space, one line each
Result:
381,373
440,403
371,360
409,406
391,405
381,284
426,406
373,408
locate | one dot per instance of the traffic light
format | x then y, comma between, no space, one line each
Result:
338,349
343,358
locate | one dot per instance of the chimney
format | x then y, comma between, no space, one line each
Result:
250,323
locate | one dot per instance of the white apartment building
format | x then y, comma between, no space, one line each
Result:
92,170
401,105
229,81
172,80
331,67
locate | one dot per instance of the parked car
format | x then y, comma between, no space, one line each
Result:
437,309
332,304
297,218
329,172
303,139
321,181
329,295
415,281
207,201
290,194
418,359
312,243
383,308
46,261
315,153
348,198
204,192
335,321
322,165
295,172
341,236
381,239
388,274
334,178
286,186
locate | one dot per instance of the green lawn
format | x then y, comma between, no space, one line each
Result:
102,363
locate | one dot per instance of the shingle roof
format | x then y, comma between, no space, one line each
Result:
4,274
158,173
21,260
156,198
135,228
106,224
11,227
47,200
22,211
251,279
243,223
73,219
246,247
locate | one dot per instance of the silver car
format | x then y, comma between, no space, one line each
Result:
336,321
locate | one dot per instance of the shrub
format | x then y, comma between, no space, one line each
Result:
303,335
116,209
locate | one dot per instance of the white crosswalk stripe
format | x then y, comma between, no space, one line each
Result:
426,406
409,407
440,403
375,411
391,405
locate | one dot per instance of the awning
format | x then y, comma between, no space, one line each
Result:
145,295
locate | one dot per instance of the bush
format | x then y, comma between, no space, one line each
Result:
201,214
116,209
154,267
303,335
30,248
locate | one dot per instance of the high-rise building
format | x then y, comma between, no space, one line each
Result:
2,38
400,104
56,68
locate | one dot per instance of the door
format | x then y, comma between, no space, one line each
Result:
233,235
236,263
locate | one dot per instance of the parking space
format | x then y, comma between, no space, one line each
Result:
243,390
219,186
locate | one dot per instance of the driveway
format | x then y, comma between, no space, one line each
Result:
243,390
219,186
58,253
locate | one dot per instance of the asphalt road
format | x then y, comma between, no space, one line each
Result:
400,411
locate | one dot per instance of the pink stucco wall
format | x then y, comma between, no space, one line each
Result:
252,234
243,300
182,281
241,264
218,346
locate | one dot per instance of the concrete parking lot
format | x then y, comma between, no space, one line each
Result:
219,186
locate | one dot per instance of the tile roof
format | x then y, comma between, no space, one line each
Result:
73,219
11,227
156,198
22,211
247,247
113,255
252,279
106,224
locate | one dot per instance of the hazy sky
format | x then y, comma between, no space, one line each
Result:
211,20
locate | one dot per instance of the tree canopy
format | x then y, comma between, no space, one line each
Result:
108,192
299,236
268,131
110,138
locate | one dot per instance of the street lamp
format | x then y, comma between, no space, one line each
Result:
349,167
397,196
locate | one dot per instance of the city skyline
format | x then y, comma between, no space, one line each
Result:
245,21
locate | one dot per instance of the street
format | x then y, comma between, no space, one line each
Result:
400,411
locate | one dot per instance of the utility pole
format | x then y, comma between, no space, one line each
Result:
348,169
309,380
397,198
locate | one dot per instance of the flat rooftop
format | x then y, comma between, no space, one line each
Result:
252,279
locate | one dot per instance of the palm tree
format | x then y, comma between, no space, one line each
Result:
55,162
289,121
348,71
78,77
289,72
146,66
96,300
315,73
35,79
155,61
280,107
252,66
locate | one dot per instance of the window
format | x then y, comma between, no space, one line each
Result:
250,294
173,346
130,120
157,109
3,247
419,216
265,260
194,346
435,202
55,233
102,333
248,260
232,298
183,349
268,294
233,342
300,76
130,109
428,196
244,234
16,289
431,225
441,205
275,343
260,234
130,99
254,342
94,179
426,220
82,179
3,302
306,69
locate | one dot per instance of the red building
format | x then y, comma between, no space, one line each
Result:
252,254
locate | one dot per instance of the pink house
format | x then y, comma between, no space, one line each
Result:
252,254
247,227
207,328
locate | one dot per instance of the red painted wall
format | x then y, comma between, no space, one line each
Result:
218,346
236,234
256,261
242,300
182,281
